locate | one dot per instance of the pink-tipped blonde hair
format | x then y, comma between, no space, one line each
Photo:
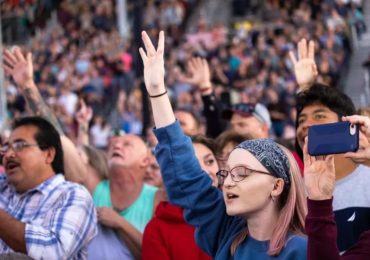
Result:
292,212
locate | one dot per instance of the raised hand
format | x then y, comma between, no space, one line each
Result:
363,153
153,64
319,175
201,77
305,68
19,67
84,114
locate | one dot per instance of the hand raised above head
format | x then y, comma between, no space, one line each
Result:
153,64
18,66
199,69
305,69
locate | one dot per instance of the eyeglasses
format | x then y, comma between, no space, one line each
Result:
237,174
17,146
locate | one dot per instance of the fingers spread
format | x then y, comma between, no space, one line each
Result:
160,48
29,58
143,55
311,50
205,64
9,57
191,66
302,49
18,54
8,70
148,44
292,58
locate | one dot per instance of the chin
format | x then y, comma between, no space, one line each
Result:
232,212
115,162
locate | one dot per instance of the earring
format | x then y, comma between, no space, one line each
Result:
272,198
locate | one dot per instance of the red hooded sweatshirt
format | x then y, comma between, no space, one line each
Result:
168,236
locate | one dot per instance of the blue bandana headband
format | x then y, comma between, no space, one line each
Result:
270,155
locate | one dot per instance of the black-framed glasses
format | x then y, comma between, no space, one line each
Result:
16,146
237,174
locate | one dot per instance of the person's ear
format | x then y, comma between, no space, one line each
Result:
265,129
50,155
278,188
145,161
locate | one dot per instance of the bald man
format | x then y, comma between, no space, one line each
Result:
124,203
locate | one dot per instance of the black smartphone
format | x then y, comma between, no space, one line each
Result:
333,138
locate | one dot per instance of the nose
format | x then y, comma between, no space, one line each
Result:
8,154
228,182
307,123
117,145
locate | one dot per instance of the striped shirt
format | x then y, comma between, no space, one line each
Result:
59,215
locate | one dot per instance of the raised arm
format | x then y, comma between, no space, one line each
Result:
20,68
201,79
187,185
154,80
305,69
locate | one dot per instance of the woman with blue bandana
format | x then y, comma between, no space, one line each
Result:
260,212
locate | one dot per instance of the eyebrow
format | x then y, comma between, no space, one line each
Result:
319,110
16,140
237,165
207,155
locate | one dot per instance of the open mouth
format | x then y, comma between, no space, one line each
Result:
231,196
116,154
11,165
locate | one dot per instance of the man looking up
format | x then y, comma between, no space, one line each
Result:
41,214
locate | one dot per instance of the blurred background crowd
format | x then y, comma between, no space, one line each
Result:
79,53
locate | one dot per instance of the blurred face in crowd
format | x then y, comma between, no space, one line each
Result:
314,114
128,151
153,173
252,194
249,126
207,161
226,150
188,123
26,165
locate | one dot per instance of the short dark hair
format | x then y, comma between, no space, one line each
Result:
207,142
193,115
230,136
332,98
46,137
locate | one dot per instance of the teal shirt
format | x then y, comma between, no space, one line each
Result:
138,214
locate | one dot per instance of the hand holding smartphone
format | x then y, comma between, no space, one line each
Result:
334,138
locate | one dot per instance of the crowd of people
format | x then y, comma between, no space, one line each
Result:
85,57
83,180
